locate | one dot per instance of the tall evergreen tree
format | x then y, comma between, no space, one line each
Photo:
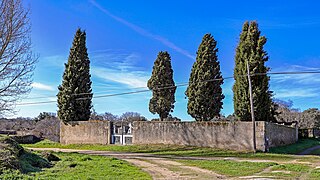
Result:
162,85
204,91
250,49
75,93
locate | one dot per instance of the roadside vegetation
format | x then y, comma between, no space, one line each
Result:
14,160
224,162
274,170
230,168
231,164
290,171
298,147
18,163
78,166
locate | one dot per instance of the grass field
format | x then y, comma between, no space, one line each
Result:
230,168
78,166
289,171
280,153
315,152
301,145
279,164
18,163
115,148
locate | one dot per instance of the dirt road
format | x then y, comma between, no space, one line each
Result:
162,167
158,167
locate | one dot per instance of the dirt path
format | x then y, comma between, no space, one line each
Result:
309,150
162,167
159,167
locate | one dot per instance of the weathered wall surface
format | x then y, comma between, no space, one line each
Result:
222,135
85,132
280,135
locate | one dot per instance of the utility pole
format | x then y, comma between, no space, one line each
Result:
252,110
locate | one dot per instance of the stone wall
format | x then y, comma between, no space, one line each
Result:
280,135
222,135
85,132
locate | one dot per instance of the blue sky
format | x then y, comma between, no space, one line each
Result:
124,38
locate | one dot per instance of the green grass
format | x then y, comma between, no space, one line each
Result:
160,149
226,167
17,163
78,166
301,145
315,152
14,157
28,163
208,152
236,169
14,160
288,171
315,174
31,162
175,150
230,168
115,148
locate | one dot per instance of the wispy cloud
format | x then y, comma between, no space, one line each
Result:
297,93
41,86
143,31
295,86
54,61
119,67
133,79
297,78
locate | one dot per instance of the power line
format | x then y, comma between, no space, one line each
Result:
35,103
270,73
100,92
169,87
284,72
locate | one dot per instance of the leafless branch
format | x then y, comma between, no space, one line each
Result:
17,60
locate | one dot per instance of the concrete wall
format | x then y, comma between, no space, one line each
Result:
222,135
85,132
280,135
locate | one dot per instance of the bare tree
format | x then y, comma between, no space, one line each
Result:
309,118
132,116
17,61
95,116
109,116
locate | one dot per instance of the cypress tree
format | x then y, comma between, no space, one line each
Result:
250,49
204,92
75,93
162,85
